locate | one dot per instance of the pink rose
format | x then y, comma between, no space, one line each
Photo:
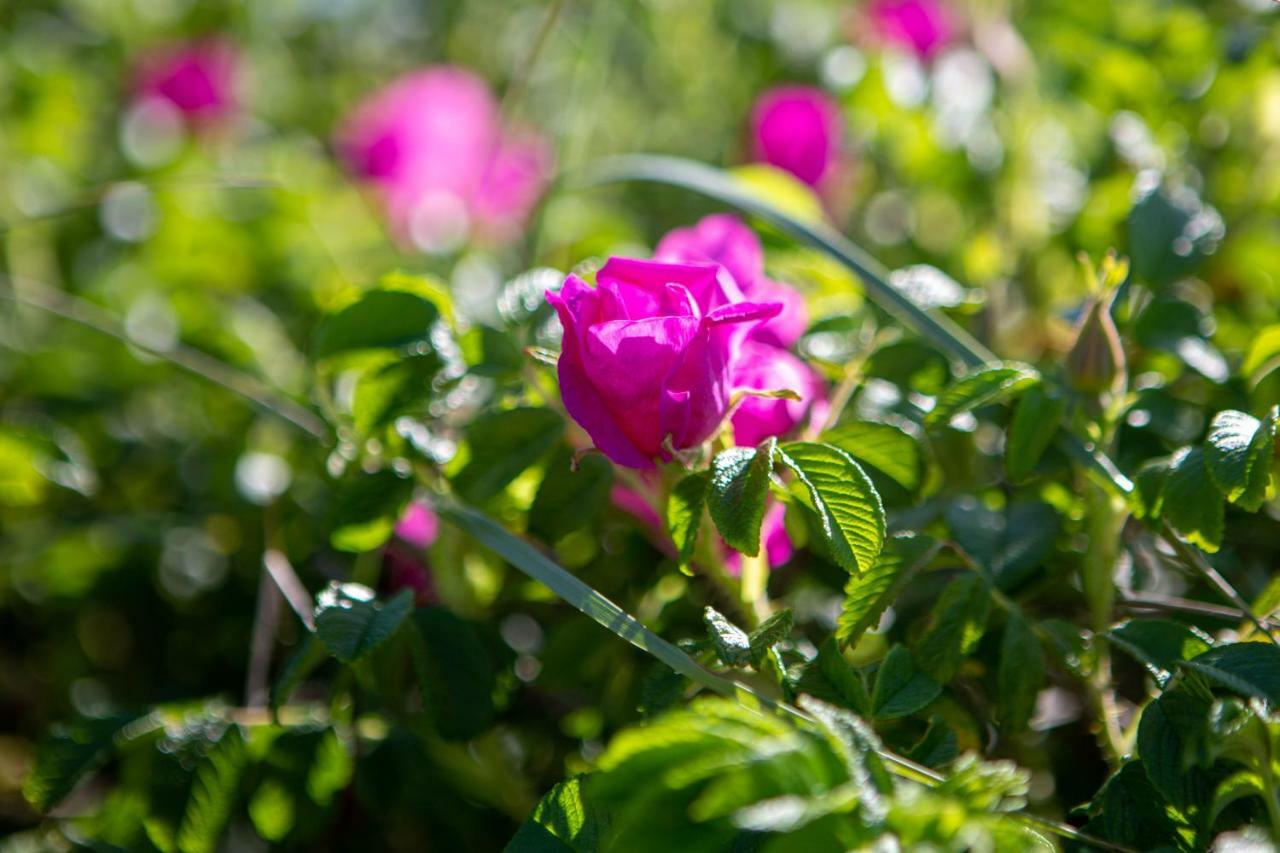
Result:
198,78
922,26
418,525
725,239
647,354
433,143
797,128
762,367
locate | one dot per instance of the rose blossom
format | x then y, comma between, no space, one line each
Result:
725,239
923,26
197,77
418,525
796,128
647,354
433,143
761,367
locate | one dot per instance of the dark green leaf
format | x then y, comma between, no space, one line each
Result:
213,793
1021,673
309,655
1128,810
562,822
736,494
888,448
1171,231
986,385
1010,545
1250,669
1147,497
846,503
830,678
937,747
1237,786
955,626
366,509
1169,738
351,622
731,643
381,319
1239,452
1159,644
867,597
900,688
66,755
684,513
568,500
770,632
455,672
503,444
1036,420
387,391
1192,503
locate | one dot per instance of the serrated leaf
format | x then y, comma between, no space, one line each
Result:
1035,423
1192,503
1147,497
454,670
562,821
830,678
684,514
1239,452
731,643
381,319
736,494
351,622
1169,737
846,503
955,626
866,597
64,757
1011,544
1128,810
900,688
885,447
569,500
503,444
213,793
1250,669
366,509
1020,675
982,387
1158,644
770,632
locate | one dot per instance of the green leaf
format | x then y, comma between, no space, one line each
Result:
938,747
272,810
66,755
213,794
1171,231
887,448
1250,669
736,494
309,655
1263,355
830,678
1036,421
366,509
1237,786
503,444
1239,451
386,391
1020,675
900,688
1169,737
351,622
381,319
955,626
1129,811
1192,503
770,632
731,643
563,820
1010,545
1147,498
982,387
846,503
568,500
455,672
1159,644
684,514
867,597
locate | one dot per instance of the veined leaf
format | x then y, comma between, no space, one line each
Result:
900,688
731,643
365,510
1009,544
569,499
847,504
351,622
454,670
381,319
1159,644
503,444
1250,669
66,755
1169,734
1021,673
982,387
770,632
885,447
736,494
866,597
213,794
562,822
684,513
956,624
1147,498
1036,421
1263,355
830,678
1192,503
1239,451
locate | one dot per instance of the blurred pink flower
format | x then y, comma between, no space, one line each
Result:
762,367
418,525
433,143
196,77
725,239
923,26
778,548
796,128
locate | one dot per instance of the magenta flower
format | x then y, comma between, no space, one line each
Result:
647,354
198,78
432,142
762,367
922,26
797,128
418,525
778,548
725,239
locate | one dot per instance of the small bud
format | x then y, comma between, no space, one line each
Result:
1096,363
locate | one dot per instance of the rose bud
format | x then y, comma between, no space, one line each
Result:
797,128
762,367
645,364
197,78
922,26
725,239
1096,361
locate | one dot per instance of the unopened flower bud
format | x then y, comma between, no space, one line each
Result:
1096,364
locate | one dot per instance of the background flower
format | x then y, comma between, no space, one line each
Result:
796,128
920,25
196,77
